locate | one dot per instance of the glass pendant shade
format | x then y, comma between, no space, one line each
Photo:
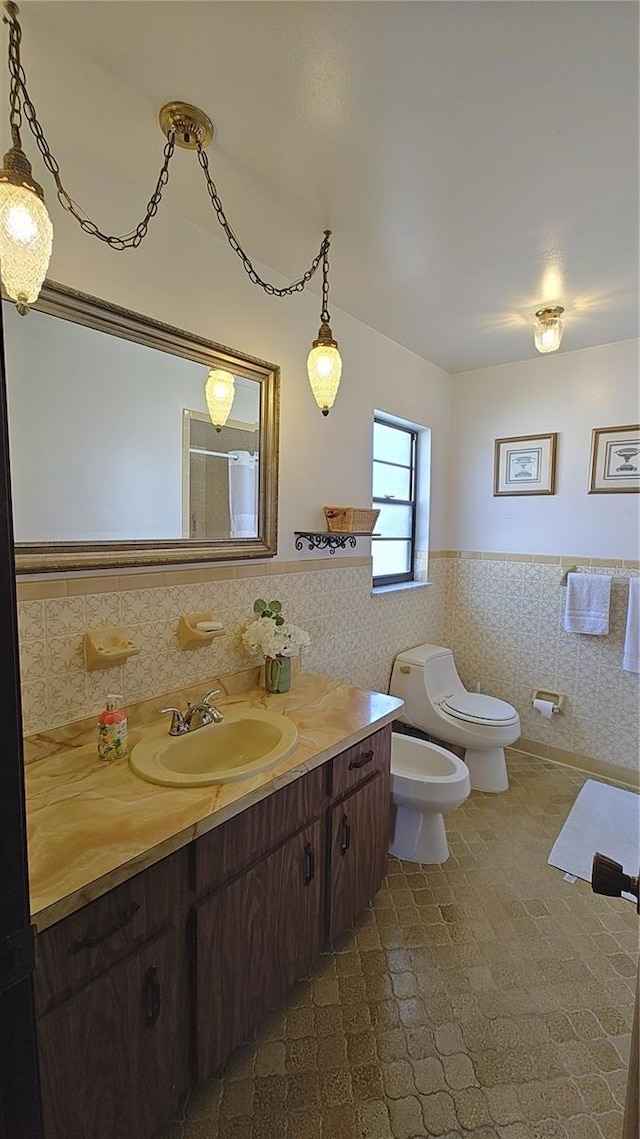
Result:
26,240
549,328
324,366
219,392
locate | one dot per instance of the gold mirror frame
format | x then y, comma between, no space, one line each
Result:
80,308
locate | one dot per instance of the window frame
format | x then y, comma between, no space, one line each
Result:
400,578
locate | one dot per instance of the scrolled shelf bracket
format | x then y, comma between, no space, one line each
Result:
321,540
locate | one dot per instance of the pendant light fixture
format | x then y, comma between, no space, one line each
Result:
549,328
26,233
219,391
324,364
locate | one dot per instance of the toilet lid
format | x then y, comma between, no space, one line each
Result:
477,708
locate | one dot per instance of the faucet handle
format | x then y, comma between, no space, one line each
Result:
210,695
177,720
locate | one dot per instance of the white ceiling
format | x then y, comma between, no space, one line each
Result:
474,160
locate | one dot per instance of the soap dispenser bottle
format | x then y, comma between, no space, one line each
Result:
112,730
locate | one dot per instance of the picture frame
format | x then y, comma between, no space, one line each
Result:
525,465
615,460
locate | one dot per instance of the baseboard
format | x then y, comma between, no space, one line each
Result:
612,772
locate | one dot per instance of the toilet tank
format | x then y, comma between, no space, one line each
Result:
422,676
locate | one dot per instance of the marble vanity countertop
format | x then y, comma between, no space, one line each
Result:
93,825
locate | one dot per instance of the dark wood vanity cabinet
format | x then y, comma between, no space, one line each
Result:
113,1057
166,974
358,833
357,829
253,940
112,1001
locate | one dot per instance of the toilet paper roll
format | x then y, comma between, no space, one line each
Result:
544,707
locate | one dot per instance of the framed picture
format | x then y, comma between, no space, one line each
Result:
615,460
525,464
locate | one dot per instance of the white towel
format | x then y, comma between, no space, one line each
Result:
588,601
631,658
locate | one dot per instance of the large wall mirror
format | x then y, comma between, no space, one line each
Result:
115,460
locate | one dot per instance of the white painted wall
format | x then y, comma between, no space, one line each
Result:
568,392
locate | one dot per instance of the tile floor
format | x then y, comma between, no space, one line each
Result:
485,998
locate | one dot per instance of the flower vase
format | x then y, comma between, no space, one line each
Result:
277,674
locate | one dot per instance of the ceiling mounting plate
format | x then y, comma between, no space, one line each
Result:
191,125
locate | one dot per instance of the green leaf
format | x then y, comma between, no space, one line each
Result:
275,606
259,606
279,620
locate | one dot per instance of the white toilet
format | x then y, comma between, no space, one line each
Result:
426,781
436,701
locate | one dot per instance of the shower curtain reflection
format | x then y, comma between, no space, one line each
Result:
243,494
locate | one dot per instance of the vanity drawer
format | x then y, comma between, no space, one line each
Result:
234,845
88,942
360,762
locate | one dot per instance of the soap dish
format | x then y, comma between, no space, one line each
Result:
198,629
107,647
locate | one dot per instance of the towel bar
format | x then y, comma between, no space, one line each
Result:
574,569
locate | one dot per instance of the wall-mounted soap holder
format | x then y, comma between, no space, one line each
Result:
198,629
107,647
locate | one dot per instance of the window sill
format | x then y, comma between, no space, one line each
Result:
376,589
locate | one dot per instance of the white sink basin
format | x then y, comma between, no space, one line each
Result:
246,742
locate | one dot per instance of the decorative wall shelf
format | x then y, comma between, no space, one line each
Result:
329,540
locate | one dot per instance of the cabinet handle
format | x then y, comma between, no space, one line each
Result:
345,841
123,919
309,864
365,758
151,995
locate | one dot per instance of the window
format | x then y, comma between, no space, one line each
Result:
395,462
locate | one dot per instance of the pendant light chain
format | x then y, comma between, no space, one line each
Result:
132,240
324,315
216,202
15,111
23,211
19,93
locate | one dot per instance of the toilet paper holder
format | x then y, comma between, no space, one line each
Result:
557,699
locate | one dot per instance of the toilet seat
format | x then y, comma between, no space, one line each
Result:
476,708
432,765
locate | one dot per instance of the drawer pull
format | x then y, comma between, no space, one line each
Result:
309,864
345,841
151,995
364,759
123,919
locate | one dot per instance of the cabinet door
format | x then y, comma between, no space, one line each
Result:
254,939
359,829
113,1057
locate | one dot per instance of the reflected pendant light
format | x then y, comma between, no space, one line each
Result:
26,232
549,328
324,364
219,391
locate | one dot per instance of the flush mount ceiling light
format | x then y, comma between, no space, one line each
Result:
549,328
219,391
26,233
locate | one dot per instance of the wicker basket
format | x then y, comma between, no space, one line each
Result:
350,519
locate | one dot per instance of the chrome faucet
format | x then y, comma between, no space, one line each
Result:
202,713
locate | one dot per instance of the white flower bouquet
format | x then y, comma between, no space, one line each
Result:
276,640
